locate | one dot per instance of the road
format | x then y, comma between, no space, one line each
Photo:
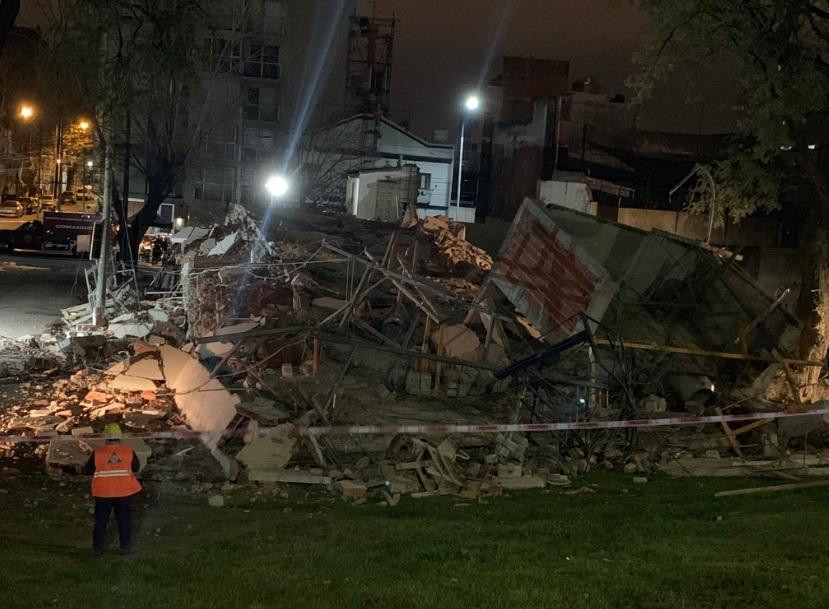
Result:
12,223
34,288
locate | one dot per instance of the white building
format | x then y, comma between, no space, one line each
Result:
382,194
364,142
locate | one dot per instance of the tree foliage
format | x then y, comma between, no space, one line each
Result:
779,53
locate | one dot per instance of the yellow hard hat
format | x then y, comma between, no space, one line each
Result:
112,431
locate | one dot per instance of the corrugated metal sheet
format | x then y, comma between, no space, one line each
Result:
556,263
547,276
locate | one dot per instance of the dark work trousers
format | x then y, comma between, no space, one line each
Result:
123,516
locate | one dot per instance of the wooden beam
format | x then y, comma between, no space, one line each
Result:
705,353
772,489
732,438
750,426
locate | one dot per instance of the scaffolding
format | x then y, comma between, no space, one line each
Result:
368,72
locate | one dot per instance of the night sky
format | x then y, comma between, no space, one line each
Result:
443,47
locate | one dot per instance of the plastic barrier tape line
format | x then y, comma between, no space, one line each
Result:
438,429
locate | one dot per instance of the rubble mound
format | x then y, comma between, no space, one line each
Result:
451,246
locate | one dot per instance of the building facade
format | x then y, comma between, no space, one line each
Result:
365,142
260,78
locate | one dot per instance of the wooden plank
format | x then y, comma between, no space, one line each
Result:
704,353
792,384
411,465
732,439
772,489
750,426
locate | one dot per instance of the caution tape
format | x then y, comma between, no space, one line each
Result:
350,430
569,426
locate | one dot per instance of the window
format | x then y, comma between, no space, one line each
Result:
262,61
425,181
211,185
261,104
220,142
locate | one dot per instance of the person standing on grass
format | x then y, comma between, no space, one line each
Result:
113,467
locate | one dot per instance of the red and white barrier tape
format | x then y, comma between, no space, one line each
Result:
347,430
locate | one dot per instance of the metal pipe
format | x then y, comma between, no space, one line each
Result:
704,170
99,312
460,170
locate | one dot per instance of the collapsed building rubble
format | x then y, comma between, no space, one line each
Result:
318,320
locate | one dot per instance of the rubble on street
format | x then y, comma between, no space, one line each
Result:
332,321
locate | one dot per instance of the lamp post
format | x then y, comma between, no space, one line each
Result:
27,113
471,104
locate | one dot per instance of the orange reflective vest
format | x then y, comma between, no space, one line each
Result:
113,475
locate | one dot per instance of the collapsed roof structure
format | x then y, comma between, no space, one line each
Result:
271,328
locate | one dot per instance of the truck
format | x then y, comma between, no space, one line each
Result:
58,231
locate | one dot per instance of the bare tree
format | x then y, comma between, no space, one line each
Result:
327,153
149,78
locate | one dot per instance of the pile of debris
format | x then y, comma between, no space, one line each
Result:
331,321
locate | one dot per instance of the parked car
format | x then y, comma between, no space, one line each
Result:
12,208
47,203
67,197
30,204
81,194
27,236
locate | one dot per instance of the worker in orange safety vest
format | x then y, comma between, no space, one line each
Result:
113,467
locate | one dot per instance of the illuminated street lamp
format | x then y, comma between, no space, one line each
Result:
470,105
89,164
84,124
26,112
277,186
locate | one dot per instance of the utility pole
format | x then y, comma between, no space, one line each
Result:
99,311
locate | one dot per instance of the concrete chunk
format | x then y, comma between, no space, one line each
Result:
122,382
146,368
351,490
522,483
267,453
223,246
457,340
205,403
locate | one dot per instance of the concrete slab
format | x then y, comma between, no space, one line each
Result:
122,330
205,403
116,368
458,341
223,246
220,349
267,453
122,382
146,368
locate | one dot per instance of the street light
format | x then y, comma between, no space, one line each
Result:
26,112
471,104
83,124
277,186
89,164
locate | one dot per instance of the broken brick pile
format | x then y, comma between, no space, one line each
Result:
336,321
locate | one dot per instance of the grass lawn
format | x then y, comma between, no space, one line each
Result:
668,543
